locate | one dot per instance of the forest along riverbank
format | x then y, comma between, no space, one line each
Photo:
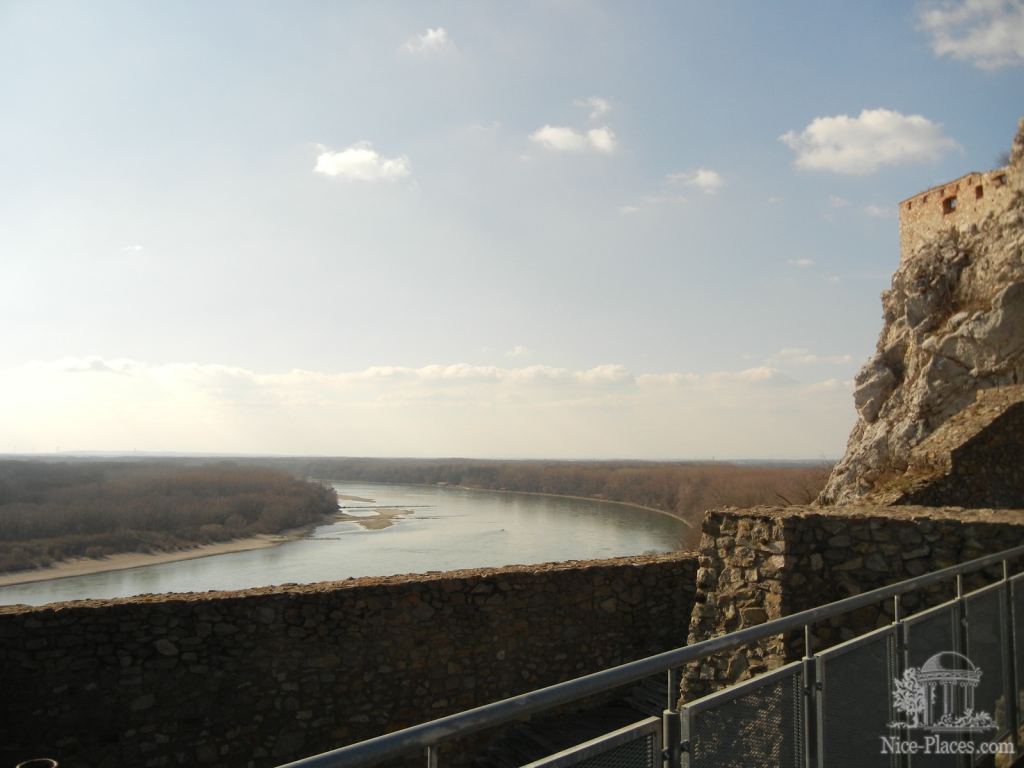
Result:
63,518
684,489
82,566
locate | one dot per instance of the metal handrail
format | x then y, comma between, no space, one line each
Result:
429,734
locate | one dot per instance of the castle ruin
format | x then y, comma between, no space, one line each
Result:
959,204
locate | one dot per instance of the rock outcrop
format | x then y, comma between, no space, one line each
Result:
954,327
974,459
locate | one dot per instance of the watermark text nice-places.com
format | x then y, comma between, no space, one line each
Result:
936,745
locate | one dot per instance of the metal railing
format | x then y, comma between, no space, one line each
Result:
804,714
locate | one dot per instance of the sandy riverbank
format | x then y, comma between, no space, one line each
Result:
82,566
124,560
384,518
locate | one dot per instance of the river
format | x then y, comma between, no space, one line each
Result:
441,528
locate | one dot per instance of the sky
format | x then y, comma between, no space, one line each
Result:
548,228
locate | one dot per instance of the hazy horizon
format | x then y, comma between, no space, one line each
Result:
121,454
547,229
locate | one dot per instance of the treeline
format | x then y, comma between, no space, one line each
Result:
685,489
52,511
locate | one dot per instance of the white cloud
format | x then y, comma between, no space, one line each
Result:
561,138
880,212
361,162
835,201
774,200
132,248
93,364
606,374
987,33
704,179
801,263
802,356
601,139
648,202
832,279
598,107
760,375
518,351
860,145
434,40
673,379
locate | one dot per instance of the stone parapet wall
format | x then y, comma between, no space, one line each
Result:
264,676
762,563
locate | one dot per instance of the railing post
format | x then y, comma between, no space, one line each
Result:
672,689
961,616
432,751
670,727
901,662
810,701
670,738
1010,660
684,744
960,641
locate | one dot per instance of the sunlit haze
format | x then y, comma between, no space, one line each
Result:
539,229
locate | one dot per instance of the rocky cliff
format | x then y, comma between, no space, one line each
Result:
954,327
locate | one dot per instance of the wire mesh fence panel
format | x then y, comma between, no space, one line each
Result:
1017,593
929,635
930,632
635,746
855,702
639,753
983,687
758,723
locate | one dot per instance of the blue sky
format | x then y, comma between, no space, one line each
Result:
566,229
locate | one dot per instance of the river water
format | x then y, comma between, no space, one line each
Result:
443,529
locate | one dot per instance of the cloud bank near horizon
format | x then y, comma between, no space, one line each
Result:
605,411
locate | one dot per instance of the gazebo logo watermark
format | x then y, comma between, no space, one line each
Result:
938,698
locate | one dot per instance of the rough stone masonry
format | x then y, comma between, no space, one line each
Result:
766,562
266,676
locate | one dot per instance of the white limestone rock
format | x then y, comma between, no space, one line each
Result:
953,325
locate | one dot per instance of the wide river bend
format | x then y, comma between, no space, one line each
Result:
433,529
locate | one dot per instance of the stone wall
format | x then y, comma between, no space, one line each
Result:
762,563
264,676
261,677
958,204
